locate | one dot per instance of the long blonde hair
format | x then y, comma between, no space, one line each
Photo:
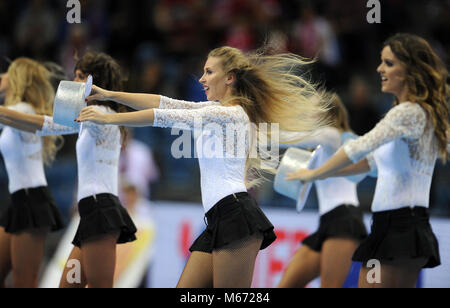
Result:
426,79
338,114
271,90
29,82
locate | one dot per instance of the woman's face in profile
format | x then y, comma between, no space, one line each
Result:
214,80
392,72
80,76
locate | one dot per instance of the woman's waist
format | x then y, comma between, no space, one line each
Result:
90,203
91,188
215,194
24,178
403,217
228,204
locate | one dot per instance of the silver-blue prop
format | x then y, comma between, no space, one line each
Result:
69,100
293,160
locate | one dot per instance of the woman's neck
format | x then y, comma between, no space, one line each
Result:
403,96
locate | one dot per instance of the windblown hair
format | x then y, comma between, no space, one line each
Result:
426,79
271,90
106,73
338,114
29,82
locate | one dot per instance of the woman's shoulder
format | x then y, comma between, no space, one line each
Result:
22,107
408,106
406,110
235,113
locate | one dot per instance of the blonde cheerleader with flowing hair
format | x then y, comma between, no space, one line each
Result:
244,92
328,251
25,224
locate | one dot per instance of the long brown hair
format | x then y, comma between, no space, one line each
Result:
426,79
271,90
29,82
107,74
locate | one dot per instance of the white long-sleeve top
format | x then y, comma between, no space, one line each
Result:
404,150
98,151
221,159
22,153
331,192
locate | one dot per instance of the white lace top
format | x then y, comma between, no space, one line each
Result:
222,155
22,153
98,151
404,150
331,192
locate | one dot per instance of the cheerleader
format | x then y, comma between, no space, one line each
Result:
328,252
104,222
403,147
241,90
33,213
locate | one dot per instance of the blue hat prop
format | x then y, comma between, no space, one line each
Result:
293,160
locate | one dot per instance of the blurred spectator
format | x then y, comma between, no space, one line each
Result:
240,34
74,47
35,30
179,21
150,80
136,165
363,116
313,37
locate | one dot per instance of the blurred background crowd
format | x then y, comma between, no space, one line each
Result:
162,45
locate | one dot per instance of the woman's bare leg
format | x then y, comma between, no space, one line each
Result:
401,273
336,261
198,272
302,269
233,265
27,252
73,275
5,256
98,257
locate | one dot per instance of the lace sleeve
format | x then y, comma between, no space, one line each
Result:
328,136
50,128
170,103
197,118
407,120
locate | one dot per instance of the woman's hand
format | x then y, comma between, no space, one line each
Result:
93,115
304,175
98,94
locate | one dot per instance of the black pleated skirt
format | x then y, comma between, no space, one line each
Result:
402,233
232,219
101,215
32,208
345,221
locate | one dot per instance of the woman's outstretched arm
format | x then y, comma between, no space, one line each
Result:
360,167
406,120
173,118
329,169
137,101
134,119
20,120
